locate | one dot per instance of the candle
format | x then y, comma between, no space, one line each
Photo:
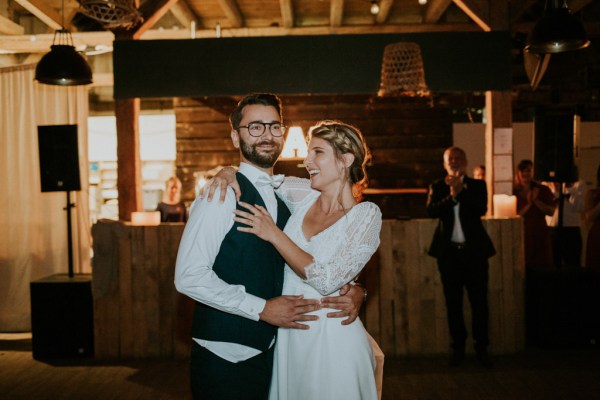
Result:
145,218
505,206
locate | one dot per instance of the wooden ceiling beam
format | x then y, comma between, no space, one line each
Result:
232,12
317,30
151,11
336,13
45,13
184,14
41,43
477,10
385,6
435,10
287,13
8,27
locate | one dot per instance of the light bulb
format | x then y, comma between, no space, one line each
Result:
374,8
422,2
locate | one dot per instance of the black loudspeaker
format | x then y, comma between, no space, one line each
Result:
561,307
62,323
555,147
59,158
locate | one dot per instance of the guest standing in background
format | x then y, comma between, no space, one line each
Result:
171,208
591,210
566,239
462,248
479,172
534,202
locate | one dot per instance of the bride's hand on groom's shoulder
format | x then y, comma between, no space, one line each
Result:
225,177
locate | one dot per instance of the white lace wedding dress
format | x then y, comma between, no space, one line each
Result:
329,361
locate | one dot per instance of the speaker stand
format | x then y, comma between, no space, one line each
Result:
69,233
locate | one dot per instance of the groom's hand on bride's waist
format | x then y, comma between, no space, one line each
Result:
286,311
348,303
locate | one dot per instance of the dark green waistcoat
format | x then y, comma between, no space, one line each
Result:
244,259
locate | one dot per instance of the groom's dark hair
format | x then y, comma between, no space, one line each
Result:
263,99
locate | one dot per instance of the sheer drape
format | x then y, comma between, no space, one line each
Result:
33,226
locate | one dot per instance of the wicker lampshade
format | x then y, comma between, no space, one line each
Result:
402,72
112,13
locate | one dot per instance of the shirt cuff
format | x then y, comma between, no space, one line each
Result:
253,306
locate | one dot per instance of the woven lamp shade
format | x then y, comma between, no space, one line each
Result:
402,72
112,13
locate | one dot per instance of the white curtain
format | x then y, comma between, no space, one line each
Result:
33,225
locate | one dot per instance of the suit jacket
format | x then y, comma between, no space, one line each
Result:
473,206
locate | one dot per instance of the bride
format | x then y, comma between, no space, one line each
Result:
326,243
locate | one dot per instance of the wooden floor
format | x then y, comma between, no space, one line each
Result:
530,375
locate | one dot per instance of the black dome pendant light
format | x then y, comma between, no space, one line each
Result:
557,31
63,65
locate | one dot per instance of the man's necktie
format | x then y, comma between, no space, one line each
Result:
275,180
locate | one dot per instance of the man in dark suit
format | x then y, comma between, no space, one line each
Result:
462,248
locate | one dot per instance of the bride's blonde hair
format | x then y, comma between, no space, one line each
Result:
345,138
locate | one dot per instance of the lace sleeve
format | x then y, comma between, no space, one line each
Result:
356,242
293,190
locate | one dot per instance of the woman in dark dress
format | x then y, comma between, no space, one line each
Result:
534,202
172,209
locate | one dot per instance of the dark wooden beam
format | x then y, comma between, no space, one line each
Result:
478,11
435,10
287,13
129,177
152,11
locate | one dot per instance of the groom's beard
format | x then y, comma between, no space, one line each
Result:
261,159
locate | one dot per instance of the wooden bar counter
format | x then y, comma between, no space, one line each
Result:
138,313
406,312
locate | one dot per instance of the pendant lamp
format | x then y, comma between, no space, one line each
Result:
63,65
402,71
557,31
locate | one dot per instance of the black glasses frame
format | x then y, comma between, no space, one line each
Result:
264,125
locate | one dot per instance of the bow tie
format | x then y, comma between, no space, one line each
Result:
275,180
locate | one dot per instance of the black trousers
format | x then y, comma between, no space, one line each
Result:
213,378
459,269
566,246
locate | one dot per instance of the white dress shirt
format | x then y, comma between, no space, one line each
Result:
208,224
572,206
458,235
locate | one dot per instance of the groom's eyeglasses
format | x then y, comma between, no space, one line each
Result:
257,129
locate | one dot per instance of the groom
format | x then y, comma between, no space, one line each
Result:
236,279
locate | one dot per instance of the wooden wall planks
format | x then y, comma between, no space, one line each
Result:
406,138
409,315
138,313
